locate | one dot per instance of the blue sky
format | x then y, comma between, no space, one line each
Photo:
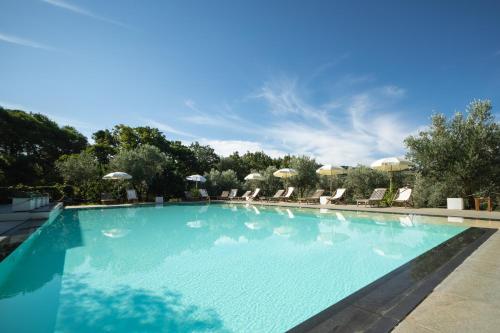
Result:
343,81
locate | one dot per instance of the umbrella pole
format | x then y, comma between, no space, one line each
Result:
390,181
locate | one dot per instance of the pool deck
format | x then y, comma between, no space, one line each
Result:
468,300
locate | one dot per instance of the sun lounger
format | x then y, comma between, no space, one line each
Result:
244,196
338,197
188,195
288,194
403,196
232,194
224,195
204,194
376,197
107,199
254,195
132,195
276,196
313,198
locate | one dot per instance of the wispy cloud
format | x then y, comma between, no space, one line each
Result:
167,128
349,129
23,42
227,147
82,11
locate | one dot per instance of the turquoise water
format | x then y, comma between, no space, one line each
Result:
193,268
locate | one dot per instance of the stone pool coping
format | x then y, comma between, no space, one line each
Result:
386,302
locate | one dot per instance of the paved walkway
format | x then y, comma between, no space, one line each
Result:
468,300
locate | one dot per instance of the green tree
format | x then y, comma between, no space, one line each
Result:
143,163
218,181
362,180
30,144
307,178
464,150
205,156
256,161
269,184
81,171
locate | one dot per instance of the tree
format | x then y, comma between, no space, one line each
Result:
218,181
256,161
143,163
307,178
269,184
31,143
362,180
464,150
82,171
205,156
234,162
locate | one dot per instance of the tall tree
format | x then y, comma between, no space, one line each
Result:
464,150
306,179
206,158
143,163
30,144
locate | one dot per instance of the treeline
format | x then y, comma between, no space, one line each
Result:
453,157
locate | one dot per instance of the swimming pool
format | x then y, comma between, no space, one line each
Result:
185,268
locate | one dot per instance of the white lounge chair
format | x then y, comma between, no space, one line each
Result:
254,195
204,194
288,194
338,197
232,194
244,196
276,196
376,197
313,198
403,196
132,195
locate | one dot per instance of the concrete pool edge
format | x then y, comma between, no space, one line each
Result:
384,303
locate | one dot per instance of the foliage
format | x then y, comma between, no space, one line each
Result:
205,157
362,180
81,171
218,181
307,178
270,184
143,163
464,150
30,144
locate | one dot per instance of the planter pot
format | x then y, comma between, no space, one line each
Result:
23,204
455,203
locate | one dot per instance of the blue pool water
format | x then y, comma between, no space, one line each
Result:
195,268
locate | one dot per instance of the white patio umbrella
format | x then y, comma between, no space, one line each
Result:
196,178
117,176
330,171
285,174
391,165
254,176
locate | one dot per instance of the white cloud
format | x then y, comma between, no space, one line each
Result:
23,42
167,128
282,98
360,130
227,147
82,11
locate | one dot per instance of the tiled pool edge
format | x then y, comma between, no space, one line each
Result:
384,303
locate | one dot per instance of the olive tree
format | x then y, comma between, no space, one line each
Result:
143,163
306,178
462,153
218,181
82,172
